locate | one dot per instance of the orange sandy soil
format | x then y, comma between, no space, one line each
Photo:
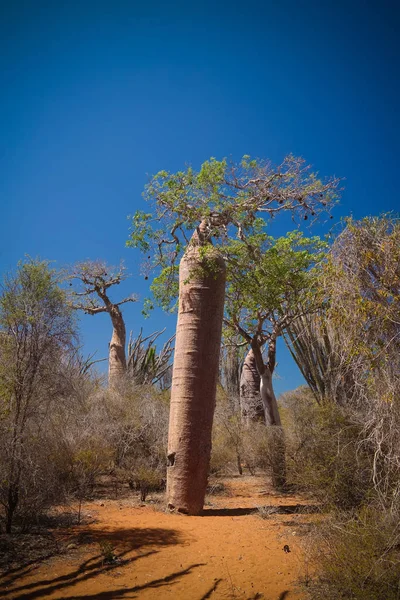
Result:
229,552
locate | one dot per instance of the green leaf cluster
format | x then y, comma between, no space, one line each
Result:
271,280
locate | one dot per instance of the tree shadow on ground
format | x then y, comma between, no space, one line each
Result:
211,590
288,509
130,539
47,587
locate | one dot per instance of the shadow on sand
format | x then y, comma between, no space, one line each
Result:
287,509
130,539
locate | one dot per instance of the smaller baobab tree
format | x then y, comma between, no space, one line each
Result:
270,285
95,278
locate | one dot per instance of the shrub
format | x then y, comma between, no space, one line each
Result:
325,454
146,479
356,556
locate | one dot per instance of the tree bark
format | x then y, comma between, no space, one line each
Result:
116,356
195,375
231,373
265,371
250,400
271,413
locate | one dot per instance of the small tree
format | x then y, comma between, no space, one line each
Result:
218,200
95,279
270,285
37,333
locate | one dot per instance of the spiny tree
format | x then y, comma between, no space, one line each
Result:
220,201
231,367
95,278
349,351
358,322
146,366
37,337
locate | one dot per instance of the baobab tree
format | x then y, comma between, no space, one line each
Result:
219,200
270,284
95,278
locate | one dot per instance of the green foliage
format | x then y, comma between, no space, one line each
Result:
232,199
37,334
165,288
107,551
325,456
272,279
30,294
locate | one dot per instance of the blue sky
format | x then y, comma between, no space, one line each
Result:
95,96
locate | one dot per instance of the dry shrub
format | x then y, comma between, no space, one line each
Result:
146,479
91,432
227,447
356,556
251,445
134,423
325,454
39,483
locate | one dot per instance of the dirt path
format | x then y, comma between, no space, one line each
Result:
230,552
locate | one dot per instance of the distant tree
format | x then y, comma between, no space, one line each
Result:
37,335
95,278
220,199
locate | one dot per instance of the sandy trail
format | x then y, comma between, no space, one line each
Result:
230,552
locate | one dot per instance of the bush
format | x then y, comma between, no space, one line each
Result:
252,446
227,447
146,479
134,424
356,556
325,454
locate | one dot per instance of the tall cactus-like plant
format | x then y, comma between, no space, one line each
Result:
146,366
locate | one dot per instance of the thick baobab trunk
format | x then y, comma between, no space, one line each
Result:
250,399
117,356
195,375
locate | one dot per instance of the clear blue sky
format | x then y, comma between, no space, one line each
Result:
96,95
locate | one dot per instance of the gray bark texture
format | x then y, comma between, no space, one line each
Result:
116,355
251,405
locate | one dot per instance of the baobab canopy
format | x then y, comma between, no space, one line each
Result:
231,197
